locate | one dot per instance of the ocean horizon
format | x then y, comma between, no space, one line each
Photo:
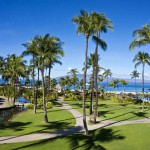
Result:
130,87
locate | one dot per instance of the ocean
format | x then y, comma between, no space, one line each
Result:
130,87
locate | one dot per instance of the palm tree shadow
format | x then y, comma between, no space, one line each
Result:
94,139
79,140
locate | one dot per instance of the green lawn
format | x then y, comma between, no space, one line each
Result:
111,110
126,137
27,122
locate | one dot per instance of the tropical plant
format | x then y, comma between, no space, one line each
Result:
142,37
135,75
74,79
100,24
31,49
124,83
114,83
54,55
106,74
43,51
14,68
62,82
142,58
84,26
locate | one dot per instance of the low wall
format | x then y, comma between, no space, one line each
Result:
7,112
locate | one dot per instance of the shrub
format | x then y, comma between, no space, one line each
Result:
72,96
40,104
49,105
30,106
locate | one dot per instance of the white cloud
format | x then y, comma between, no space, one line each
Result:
69,68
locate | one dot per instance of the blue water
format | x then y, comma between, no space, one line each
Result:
130,87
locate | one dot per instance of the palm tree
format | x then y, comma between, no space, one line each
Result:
142,58
84,26
142,37
43,51
100,24
53,83
62,82
80,85
114,83
73,72
31,49
124,83
91,62
54,55
106,74
74,79
135,75
15,68
68,82
1,64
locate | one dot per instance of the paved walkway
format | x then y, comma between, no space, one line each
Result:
77,128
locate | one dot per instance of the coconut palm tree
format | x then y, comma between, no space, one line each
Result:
80,85
114,83
91,61
68,82
73,72
15,68
1,64
84,26
106,74
42,52
135,75
62,82
124,83
54,55
31,49
142,58
100,24
74,79
142,37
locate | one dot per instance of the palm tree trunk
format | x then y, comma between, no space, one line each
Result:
135,85
14,92
34,86
37,86
96,86
74,87
91,98
84,89
49,81
43,91
143,88
107,83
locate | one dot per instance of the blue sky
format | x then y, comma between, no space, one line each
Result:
21,20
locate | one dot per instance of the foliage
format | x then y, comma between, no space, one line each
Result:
49,105
72,96
30,106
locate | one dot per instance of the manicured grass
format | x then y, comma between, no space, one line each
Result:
126,137
27,122
111,110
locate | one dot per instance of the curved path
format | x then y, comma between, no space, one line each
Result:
77,128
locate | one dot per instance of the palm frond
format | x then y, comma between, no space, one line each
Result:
100,42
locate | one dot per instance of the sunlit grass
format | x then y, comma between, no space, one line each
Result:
126,137
27,122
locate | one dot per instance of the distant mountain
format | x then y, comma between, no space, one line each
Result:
80,76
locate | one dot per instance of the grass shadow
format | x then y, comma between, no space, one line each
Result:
80,141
